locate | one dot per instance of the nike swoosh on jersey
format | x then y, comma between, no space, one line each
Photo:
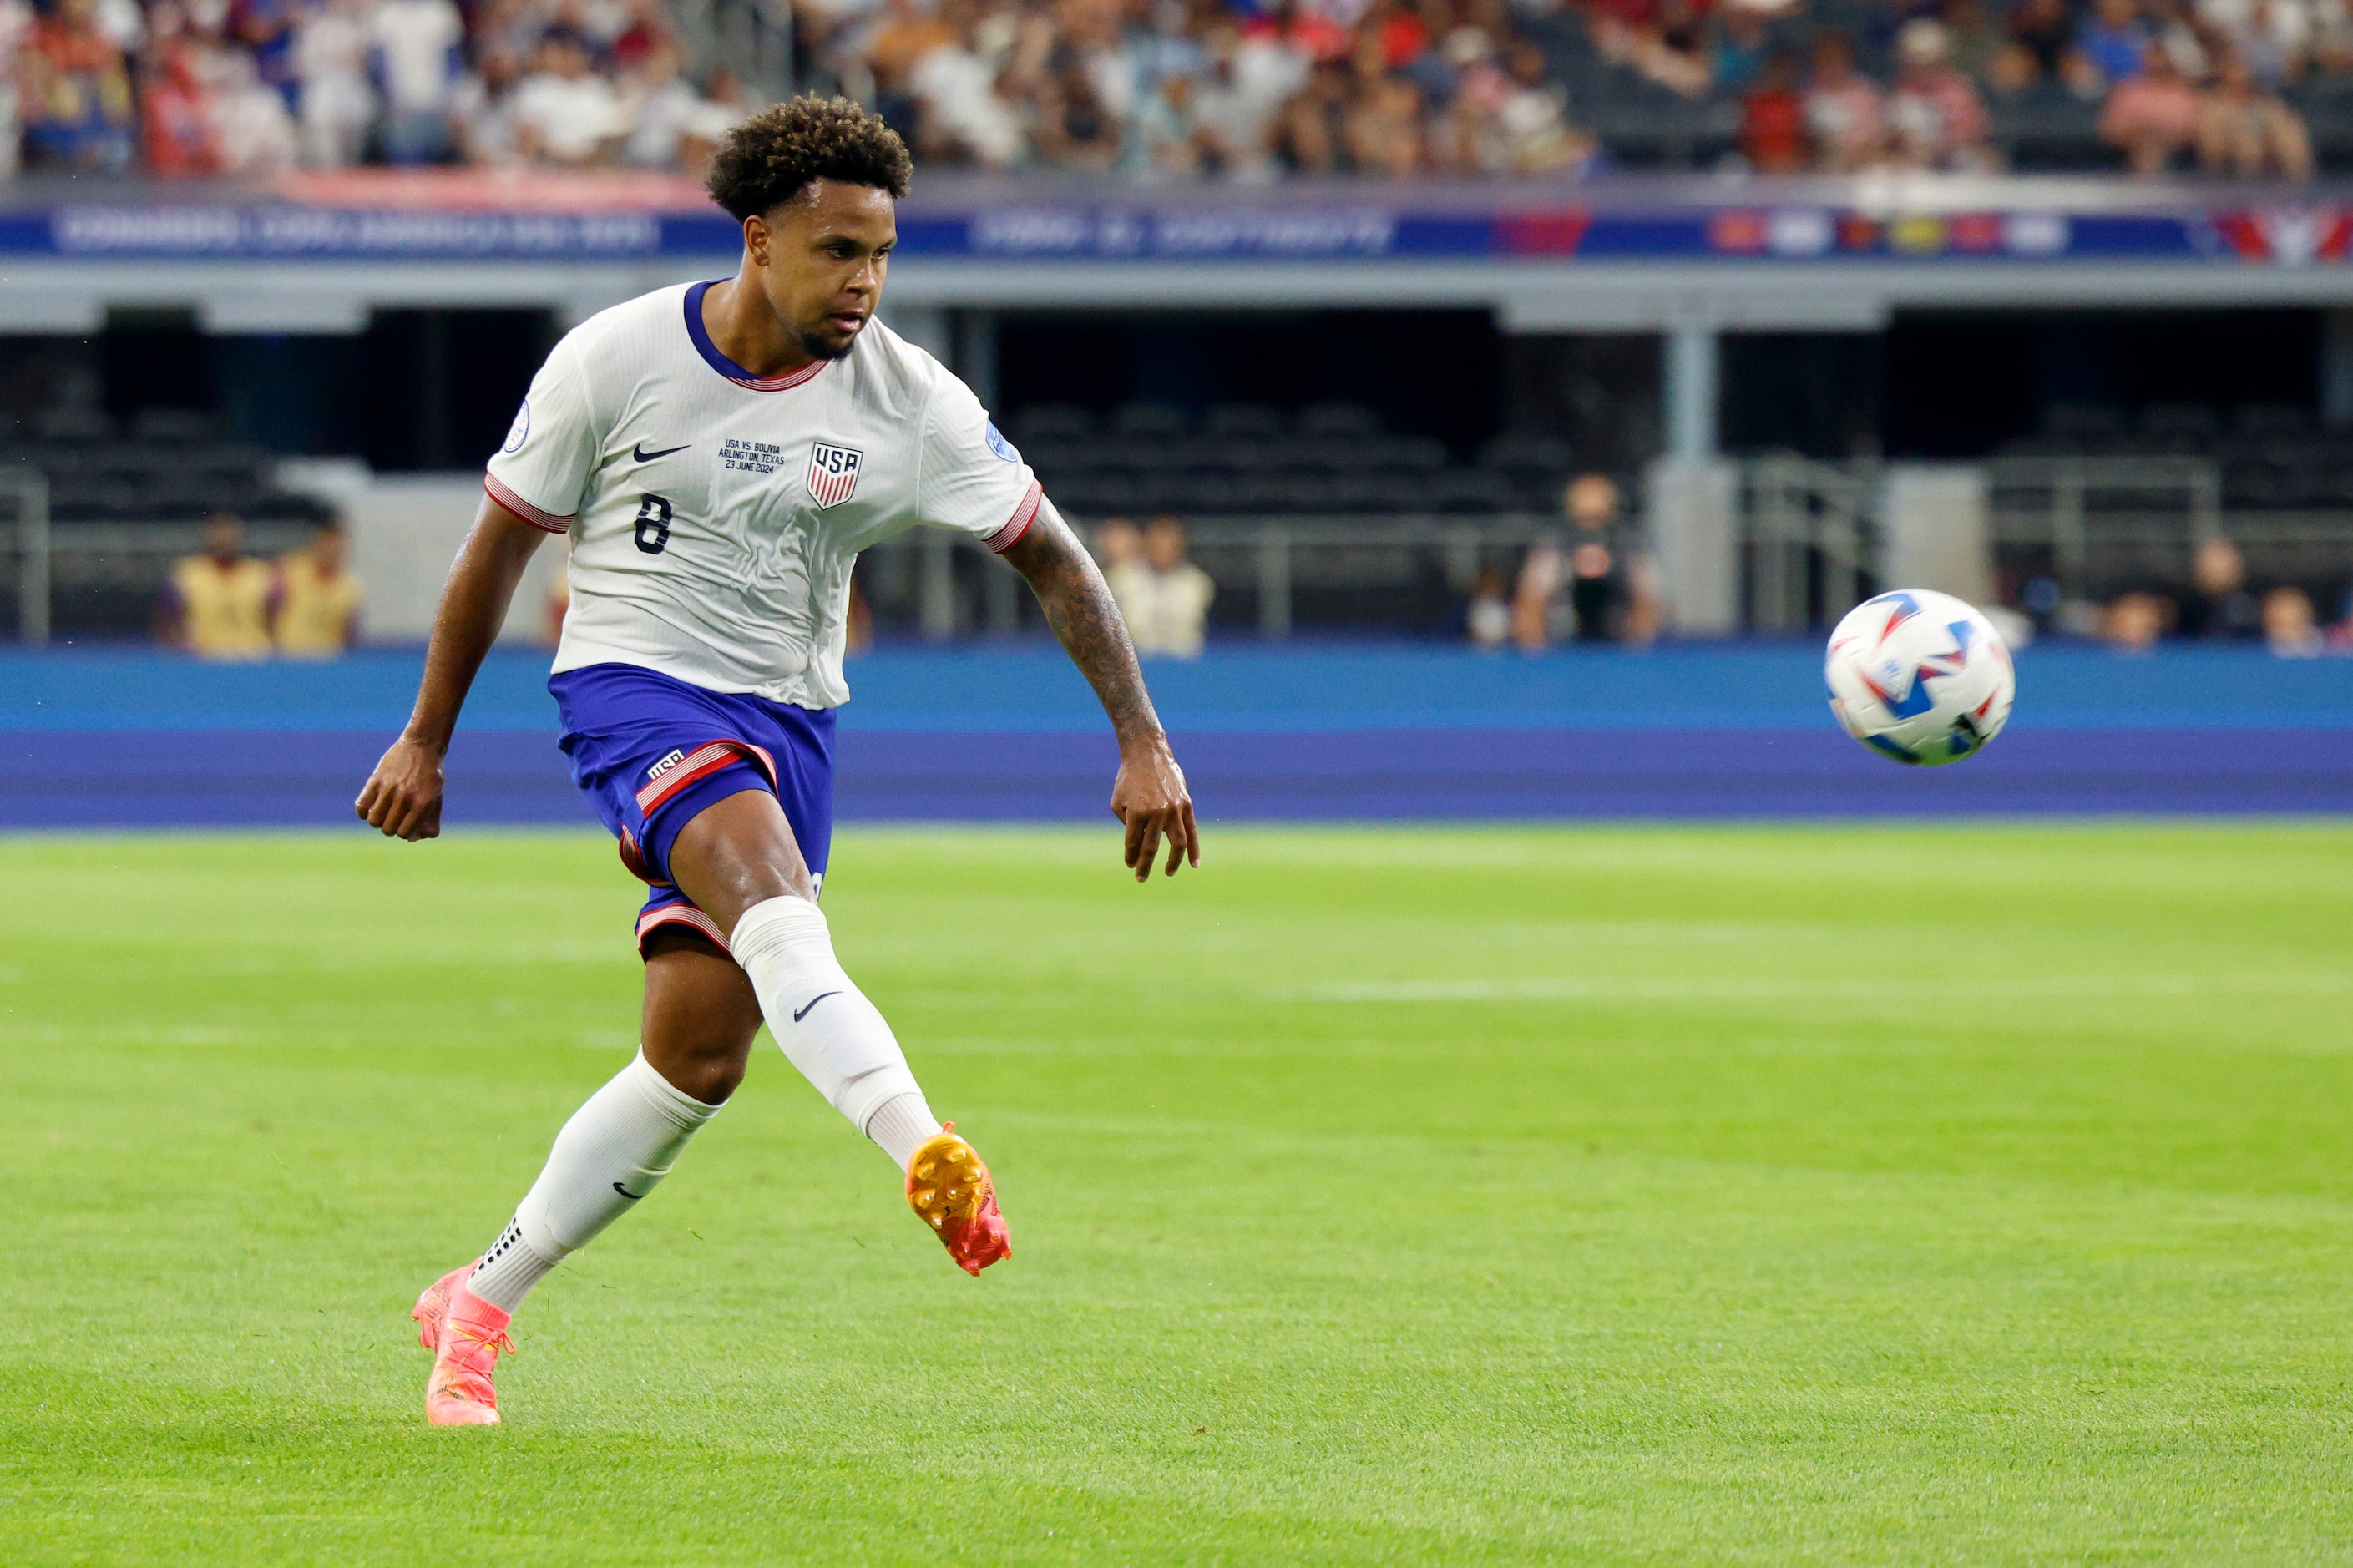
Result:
813,1002
642,456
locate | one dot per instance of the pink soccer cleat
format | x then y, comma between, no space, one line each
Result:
465,1334
949,1185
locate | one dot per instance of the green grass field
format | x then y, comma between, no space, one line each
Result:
1969,1195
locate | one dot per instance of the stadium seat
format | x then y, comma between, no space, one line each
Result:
1257,421
1053,422
1155,420
1338,419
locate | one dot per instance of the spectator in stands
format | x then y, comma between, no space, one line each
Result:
263,31
253,131
1975,46
2248,130
1532,131
482,110
1465,138
76,93
2115,40
1074,128
905,34
2135,621
318,599
1173,594
1245,83
419,61
2290,629
177,111
218,602
960,117
565,114
337,101
643,27
1845,116
1597,587
2220,607
1167,137
1488,620
1384,128
1773,122
2042,38
1738,47
1312,134
15,30
2152,117
670,125
1938,120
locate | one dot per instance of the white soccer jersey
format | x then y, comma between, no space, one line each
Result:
715,515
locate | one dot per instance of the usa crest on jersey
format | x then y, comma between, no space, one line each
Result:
833,473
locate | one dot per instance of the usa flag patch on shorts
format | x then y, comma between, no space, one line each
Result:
833,473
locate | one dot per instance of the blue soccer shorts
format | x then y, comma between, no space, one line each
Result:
652,753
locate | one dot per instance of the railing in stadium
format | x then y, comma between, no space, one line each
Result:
1811,534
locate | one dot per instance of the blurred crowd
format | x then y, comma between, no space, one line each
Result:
1246,89
222,603
2175,82
2222,605
233,87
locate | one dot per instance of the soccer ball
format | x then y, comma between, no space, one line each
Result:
1919,675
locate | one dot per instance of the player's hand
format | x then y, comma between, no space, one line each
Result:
1149,796
402,797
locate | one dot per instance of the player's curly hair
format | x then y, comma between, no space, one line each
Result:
772,157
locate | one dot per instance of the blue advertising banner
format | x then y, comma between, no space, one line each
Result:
364,215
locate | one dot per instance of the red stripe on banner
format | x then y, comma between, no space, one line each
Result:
523,508
680,915
1542,233
1005,538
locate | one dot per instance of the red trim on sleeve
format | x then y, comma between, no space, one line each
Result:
1005,538
523,508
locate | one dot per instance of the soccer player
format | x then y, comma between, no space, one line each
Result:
720,453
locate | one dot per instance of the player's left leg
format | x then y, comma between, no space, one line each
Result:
740,862
700,1017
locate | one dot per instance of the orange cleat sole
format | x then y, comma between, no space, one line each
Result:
950,1189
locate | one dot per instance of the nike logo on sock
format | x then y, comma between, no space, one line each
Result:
813,1002
642,456
624,1191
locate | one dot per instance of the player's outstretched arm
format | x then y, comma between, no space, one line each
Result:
402,797
1149,796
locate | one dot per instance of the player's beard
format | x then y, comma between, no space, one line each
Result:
818,347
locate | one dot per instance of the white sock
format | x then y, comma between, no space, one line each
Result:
901,1127
826,1026
610,1155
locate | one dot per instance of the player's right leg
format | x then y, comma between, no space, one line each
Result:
700,1017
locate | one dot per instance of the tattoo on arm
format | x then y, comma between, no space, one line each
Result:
1079,606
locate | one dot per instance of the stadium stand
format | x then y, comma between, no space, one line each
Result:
1251,459
1250,89
124,500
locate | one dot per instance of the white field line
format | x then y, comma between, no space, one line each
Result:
1721,988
